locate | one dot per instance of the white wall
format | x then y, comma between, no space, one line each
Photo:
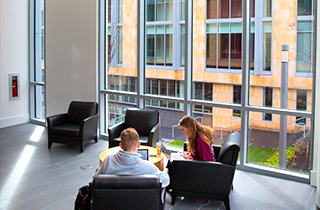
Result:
14,59
70,40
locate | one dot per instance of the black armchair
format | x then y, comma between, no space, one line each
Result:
206,179
146,123
127,192
76,127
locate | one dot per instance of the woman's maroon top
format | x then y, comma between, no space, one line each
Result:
202,151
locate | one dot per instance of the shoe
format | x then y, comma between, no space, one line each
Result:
201,202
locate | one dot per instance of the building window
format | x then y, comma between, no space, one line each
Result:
163,87
182,48
159,10
304,46
203,91
301,105
224,9
267,102
236,99
224,45
304,7
160,45
267,29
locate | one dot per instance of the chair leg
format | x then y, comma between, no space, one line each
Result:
227,203
49,144
96,139
173,197
81,147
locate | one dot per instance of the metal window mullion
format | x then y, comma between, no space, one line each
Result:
141,53
314,65
245,79
229,54
188,56
165,45
102,62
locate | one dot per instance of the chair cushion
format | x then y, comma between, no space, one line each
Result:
141,119
66,130
80,110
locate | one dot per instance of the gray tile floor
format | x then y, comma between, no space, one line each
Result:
33,177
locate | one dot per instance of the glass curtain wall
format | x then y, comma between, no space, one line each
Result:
37,62
118,63
199,62
285,85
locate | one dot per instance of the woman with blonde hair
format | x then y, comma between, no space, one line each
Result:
199,139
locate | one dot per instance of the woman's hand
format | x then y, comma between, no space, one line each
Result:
186,155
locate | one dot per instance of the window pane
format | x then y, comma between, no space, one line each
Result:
304,7
304,47
211,51
267,51
237,99
120,18
182,45
150,49
109,11
267,8
150,10
159,49
236,47
223,42
224,9
198,90
117,108
212,9
263,143
267,102
169,10
236,8
120,59
160,7
183,13
169,49
301,100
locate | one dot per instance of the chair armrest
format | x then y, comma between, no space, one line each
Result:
211,177
56,120
154,135
115,131
89,126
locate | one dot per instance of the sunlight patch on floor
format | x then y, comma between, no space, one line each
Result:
36,135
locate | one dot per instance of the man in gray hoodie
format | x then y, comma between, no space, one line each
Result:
128,162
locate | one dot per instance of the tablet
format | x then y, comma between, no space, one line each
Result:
144,154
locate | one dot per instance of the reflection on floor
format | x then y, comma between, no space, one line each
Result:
33,177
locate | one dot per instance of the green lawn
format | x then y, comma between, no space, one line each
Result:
259,155
176,143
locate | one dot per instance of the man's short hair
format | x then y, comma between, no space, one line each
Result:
129,139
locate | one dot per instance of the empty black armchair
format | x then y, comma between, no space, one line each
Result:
127,192
146,123
207,179
76,127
